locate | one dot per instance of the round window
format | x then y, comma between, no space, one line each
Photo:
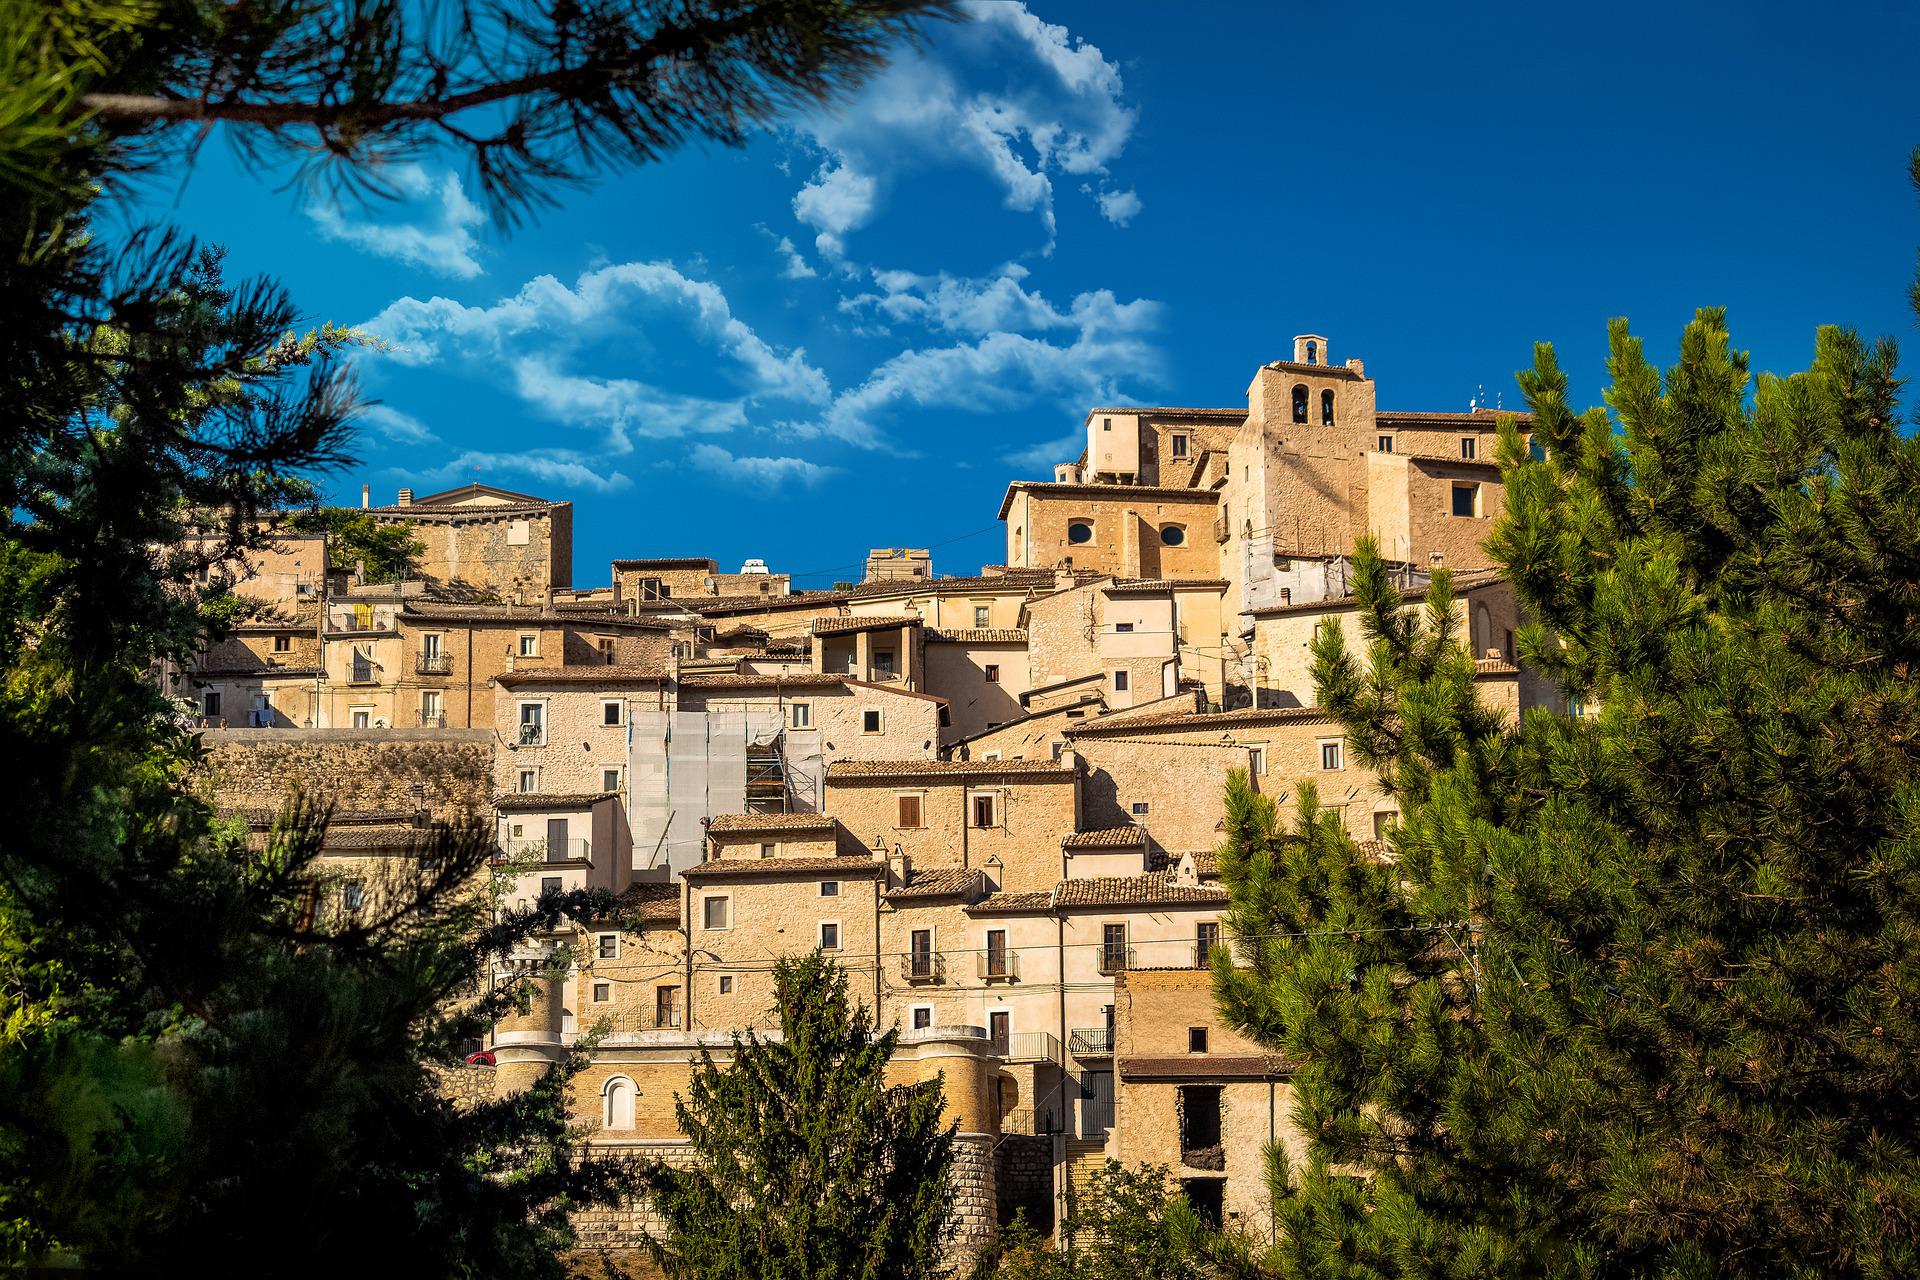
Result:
1079,531
1173,535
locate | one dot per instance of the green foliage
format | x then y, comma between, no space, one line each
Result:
204,1058
386,549
811,1167
1637,992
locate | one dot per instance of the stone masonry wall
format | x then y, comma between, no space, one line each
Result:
1023,1173
445,771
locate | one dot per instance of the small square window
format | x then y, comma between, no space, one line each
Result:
983,811
768,850
909,814
551,884
1384,444
1120,682
1469,447
1140,808
829,935
726,984
529,781
1466,499
1332,755
829,888
715,913
993,673
869,722
282,644
609,779
602,992
1196,1039
529,646
982,616
799,715
609,946
922,1017
1179,442
610,711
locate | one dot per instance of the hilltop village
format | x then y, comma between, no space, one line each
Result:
994,798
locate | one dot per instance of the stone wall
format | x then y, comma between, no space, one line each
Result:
1023,1174
444,771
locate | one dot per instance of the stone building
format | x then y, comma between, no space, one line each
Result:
481,538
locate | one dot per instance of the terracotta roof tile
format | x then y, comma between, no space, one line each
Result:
1142,491
654,901
588,675
863,622
534,801
852,865
1142,586
1187,721
1479,417
737,822
1235,412
1147,890
996,903
1463,580
978,635
755,603
669,562
938,883
796,680
1205,1066
1126,837
858,770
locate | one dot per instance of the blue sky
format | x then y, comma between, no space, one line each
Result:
855,331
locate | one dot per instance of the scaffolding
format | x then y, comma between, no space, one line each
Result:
687,766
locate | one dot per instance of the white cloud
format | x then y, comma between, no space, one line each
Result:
766,473
398,427
1042,456
556,466
982,305
442,242
1017,98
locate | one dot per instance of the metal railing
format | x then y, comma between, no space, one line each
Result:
1039,1121
570,850
433,664
998,966
923,966
433,719
1031,1046
1117,959
667,1019
362,673
1095,1116
1091,1042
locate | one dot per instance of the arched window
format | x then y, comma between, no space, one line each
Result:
1313,352
617,1097
1483,631
1172,535
1300,403
1326,408
1079,531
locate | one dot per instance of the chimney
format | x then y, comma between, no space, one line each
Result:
366,496
406,498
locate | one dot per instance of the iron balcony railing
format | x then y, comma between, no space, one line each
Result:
433,664
999,966
923,966
551,850
1114,959
1031,1046
433,719
1091,1042
1031,1120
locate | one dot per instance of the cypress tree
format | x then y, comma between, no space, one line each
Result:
809,1166
1634,991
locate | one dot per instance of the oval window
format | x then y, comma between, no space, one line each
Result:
1079,531
1173,535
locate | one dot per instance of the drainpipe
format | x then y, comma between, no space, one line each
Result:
876,942
470,676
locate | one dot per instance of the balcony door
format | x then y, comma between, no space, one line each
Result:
556,839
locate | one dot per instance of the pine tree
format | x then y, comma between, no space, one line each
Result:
809,1166
1636,992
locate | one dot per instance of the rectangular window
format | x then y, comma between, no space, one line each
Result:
882,663
714,913
528,781
1199,1111
602,992
609,946
1257,759
1466,499
1113,948
1140,808
869,722
829,935
282,644
609,779
213,705
993,673
922,1017
997,953
1468,447
829,888
799,715
1333,754
530,646
550,885
920,953
983,811
610,711
429,703
1120,682
363,717
430,645
1196,1039
726,984
1206,936
533,724
666,1006
353,895
768,850
1106,424
1179,442
982,616
1123,627
1384,444
909,814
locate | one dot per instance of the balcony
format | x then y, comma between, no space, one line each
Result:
433,719
433,664
550,850
1117,959
998,966
667,1019
1203,954
1091,1042
1031,1046
923,966
1029,1120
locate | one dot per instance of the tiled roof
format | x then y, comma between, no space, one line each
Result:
1143,491
654,901
534,801
1188,721
859,770
261,819
1378,850
1011,902
1325,370
757,603
978,635
1463,580
1173,411
589,675
1147,890
1126,837
849,865
1479,417
1143,586
1003,583
863,622
383,839
797,680
265,671
519,615
938,883
1494,667
1205,1066
736,822
670,562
